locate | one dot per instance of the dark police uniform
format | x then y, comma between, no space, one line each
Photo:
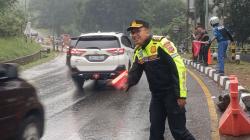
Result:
166,75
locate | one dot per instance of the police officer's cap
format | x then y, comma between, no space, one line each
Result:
138,24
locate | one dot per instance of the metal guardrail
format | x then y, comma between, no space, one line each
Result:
243,50
30,58
238,50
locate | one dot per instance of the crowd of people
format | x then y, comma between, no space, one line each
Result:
200,34
223,37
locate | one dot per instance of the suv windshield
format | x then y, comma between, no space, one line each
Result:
73,41
100,42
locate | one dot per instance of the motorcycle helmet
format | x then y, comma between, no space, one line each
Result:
214,21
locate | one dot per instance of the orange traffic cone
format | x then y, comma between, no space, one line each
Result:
120,81
209,57
234,121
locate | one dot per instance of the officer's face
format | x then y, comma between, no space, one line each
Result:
140,35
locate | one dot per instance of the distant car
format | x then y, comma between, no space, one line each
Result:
21,113
100,56
72,44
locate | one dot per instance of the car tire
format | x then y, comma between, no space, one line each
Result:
30,129
79,82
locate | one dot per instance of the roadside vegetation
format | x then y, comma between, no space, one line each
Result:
13,43
241,70
15,47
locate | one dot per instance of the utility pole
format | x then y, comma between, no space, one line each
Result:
25,7
27,26
26,12
53,25
206,14
187,27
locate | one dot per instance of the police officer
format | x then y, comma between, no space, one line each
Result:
222,36
166,74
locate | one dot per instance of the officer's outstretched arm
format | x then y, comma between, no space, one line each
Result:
174,60
135,73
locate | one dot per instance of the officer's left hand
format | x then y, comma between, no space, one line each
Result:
181,102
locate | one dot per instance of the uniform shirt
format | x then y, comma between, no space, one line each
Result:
222,34
164,68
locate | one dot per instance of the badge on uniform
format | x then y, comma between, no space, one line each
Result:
169,47
140,53
153,49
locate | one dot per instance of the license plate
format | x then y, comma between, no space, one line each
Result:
96,58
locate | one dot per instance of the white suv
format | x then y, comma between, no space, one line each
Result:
100,56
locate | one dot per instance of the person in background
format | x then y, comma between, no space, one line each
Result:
222,35
203,55
196,37
166,75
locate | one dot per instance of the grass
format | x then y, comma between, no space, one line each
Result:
241,70
15,47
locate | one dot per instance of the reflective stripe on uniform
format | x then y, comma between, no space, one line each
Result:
170,49
174,55
149,54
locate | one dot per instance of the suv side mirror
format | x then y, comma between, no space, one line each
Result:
8,71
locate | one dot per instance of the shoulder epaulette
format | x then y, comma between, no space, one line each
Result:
157,38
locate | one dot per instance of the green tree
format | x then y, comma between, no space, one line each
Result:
166,16
11,18
239,19
5,4
109,15
200,11
77,16
57,15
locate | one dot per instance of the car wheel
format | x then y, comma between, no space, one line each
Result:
79,82
29,129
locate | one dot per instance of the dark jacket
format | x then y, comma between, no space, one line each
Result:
165,71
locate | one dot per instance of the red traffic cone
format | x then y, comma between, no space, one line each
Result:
234,121
120,81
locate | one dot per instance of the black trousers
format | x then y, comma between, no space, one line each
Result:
162,107
203,55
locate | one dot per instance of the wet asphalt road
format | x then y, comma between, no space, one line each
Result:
103,113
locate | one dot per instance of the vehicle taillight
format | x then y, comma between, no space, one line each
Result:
77,52
116,51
